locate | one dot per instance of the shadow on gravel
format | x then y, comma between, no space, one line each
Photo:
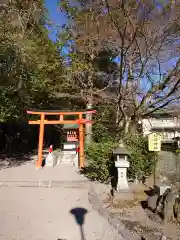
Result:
79,214
19,141
8,160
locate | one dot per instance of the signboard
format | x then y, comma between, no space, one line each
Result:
71,136
154,142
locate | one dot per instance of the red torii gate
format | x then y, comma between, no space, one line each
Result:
80,120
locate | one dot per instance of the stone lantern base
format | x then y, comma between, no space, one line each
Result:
124,195
122,184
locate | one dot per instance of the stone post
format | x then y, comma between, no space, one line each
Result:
122,164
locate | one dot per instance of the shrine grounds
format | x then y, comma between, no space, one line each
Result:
42,204
49,204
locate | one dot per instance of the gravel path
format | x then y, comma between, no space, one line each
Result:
37,213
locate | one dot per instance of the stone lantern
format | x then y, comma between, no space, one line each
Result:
122,164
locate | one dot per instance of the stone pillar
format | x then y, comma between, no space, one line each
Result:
88,126
122,165
76,161
51,160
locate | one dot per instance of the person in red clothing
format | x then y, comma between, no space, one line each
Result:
50,148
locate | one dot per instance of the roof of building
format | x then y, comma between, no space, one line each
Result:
70,126
56,110
121,150
164,112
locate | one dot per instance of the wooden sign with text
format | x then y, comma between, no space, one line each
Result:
154,142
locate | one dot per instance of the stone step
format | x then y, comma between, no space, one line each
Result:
59,157
67,158
45,183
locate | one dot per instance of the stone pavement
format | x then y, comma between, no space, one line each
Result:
42,205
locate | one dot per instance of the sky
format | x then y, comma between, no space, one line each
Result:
55,16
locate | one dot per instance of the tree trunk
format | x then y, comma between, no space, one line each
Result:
88,126
117,116
119,120
130,125
127,125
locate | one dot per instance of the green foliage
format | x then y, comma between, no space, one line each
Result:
100,132
141,160
30,64
177,150
104,126
99,160
11,106
99,153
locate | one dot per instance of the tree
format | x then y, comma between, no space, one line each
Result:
87,73
29,60
144,35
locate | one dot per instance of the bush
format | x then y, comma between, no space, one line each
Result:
100,160
141,160
100,133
